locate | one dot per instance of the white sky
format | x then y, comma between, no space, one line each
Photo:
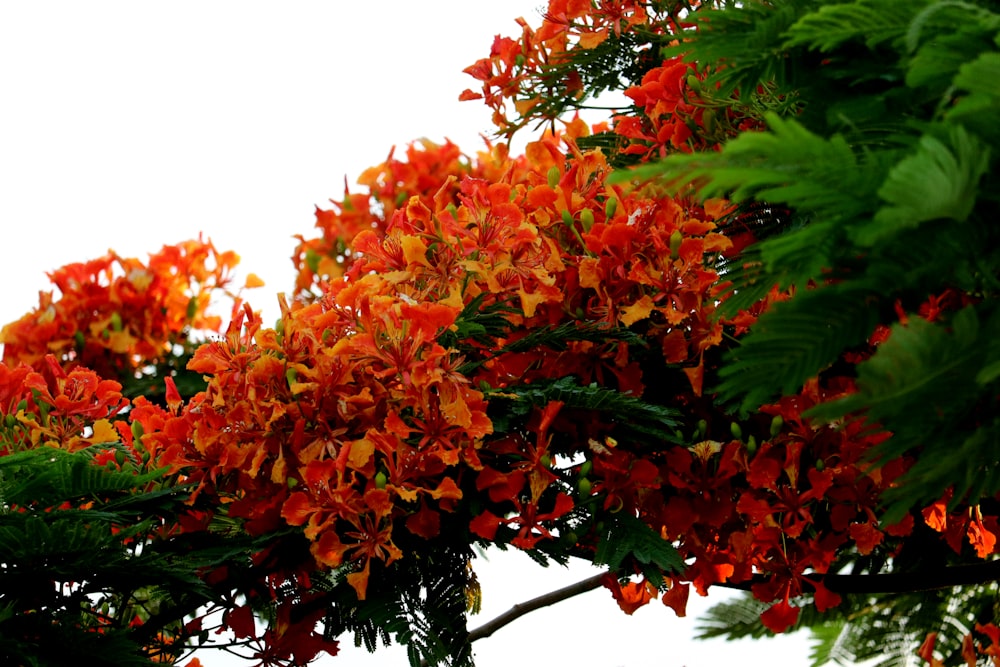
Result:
135,124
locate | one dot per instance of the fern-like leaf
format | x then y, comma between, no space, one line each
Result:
647,421
625,536
803,337
919,385
869,21
787,165
947,178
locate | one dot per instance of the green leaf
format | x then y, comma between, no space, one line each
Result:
920,385
869,21
627,536
795,340
936,182
787,165
977,109
920,364
638,418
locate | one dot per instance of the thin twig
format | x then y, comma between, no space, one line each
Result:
522,608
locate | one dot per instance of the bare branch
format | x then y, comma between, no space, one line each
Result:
906,582
522,608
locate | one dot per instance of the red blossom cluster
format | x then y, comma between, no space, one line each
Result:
115,314
678,114
67,410
364,413
386,412
425,169
516,69
356,419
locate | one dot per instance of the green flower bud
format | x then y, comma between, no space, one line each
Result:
736,431
584,487
675,244
567,218
587,218
776,425
708,120
610,207
380,480
751,445
312,260
553,176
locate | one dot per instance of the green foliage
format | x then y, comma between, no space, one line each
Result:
947,176
150,382
633,417
886,151
788,165
423,605
626,540
803,336
870,22
569,83
745,37
882,630
479,328
889,208
924,364
82,556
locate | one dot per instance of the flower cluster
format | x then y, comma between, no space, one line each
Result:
364,413
68,410
115,314
425,169
533,70
679,114
489,349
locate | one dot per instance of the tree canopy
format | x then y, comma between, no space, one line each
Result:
741,334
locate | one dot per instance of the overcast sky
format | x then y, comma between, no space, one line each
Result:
129,125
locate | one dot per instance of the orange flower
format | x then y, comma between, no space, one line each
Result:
115,314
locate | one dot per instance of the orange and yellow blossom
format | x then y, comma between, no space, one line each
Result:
361,414
116,314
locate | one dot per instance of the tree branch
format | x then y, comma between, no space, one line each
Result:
908,582
522,608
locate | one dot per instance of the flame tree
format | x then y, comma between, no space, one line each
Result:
740,334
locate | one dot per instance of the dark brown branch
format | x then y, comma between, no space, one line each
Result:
911,582
908,582
522,608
